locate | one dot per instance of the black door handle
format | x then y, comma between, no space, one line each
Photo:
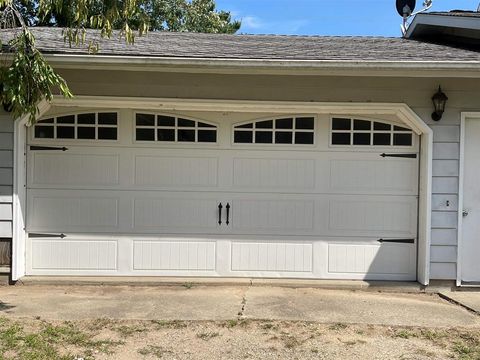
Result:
220,206
228,213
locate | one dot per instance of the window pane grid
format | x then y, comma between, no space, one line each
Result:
282,130
183,133
73,127
380,134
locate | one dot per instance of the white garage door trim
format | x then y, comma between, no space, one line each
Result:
401,111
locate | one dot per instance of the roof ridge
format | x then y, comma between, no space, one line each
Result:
172,33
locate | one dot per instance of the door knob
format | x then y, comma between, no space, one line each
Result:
465,213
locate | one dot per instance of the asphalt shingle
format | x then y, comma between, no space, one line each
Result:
255,47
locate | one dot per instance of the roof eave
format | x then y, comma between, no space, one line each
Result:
266,66
463,22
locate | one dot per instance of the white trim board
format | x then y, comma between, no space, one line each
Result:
464,116
403,112
19,192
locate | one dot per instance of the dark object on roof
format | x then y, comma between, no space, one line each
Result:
457,28
405,7
254,47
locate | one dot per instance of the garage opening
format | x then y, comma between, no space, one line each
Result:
132,193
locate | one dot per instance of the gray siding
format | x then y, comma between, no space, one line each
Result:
6,182
446,154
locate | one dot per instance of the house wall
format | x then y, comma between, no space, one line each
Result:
416,92
6,182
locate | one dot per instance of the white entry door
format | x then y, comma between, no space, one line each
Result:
470,242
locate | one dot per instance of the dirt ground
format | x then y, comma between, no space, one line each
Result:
234,339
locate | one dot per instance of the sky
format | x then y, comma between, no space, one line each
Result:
327,17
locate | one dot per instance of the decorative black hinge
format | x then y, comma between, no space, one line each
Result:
410,156
400,241
47,148
35,235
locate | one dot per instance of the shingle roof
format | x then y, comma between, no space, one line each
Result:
261,47
464,13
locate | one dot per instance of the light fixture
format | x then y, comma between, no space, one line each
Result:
439,101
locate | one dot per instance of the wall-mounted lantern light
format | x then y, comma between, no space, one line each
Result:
439,101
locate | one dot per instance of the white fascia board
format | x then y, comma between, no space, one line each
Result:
400,110
266,66
459,22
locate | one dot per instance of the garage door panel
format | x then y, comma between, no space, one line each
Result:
374,176
67,254
174,255
77,211
326,215
173,214
272,256
382,259
287,216
67,169
367,215
188,172
273,174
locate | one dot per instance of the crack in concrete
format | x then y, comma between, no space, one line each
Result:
244,302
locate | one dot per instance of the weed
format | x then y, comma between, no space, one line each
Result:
170,324
125,330
188,285
156,351
231,323
207,335
101,323
463,349
269,326
433,335
404,334
337,327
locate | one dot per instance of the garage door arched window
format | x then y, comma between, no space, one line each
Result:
359,132
285,130
82,126
168,128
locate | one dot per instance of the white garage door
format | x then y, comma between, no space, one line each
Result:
153,194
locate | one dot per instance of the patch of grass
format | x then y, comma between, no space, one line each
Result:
10,336
338,326
102,323
129,330
231,323
463,350
49,342
404,334
169,324
153,350
188,285
433,335
66,333
269,326
207,335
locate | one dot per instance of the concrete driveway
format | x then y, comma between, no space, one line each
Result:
230,302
